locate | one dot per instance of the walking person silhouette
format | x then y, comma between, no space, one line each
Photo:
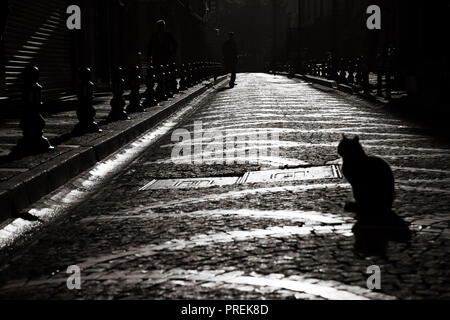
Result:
230,57
162,46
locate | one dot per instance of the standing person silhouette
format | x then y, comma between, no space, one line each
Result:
162,45
230,57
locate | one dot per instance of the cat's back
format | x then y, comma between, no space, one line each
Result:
381,177
379,165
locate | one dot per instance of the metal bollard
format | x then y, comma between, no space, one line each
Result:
85,111
388,82
379,75
150,96
183,76
175,74
194,74
168,81
32,122
200,72
118,102
204,71
189,75
161,94
135,95
351,72
365,75
291,71
358,77
329,63
342,73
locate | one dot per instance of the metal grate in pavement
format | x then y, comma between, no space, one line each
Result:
189,183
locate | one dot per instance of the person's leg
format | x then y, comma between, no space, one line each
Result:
233,75
227,67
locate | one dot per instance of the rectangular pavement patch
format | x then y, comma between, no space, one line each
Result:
190,183
298,174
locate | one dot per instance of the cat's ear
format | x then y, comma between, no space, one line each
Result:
356,138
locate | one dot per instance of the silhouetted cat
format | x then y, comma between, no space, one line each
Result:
371,179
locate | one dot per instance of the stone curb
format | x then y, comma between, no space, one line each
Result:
340,87
26,188
324,82
345,88
336,86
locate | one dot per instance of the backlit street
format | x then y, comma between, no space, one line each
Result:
270,226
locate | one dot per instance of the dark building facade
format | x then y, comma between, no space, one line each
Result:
265,30
113,33
35,34
417,33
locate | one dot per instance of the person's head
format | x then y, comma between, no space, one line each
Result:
231,35
160,26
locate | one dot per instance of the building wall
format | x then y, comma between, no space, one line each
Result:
109,37
265,30
36,34
113,33
417,31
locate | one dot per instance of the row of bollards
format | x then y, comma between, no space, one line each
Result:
355,72
161,84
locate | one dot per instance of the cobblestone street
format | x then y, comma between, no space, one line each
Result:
240,238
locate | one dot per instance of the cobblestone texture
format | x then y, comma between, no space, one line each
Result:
283,240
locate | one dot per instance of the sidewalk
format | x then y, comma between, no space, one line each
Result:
25,180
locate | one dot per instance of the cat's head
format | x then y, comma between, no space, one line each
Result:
349,148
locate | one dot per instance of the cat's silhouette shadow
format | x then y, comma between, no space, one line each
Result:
373,188
372,235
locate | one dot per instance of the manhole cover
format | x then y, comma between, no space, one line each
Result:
310,173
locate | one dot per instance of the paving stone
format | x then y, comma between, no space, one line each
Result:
267,240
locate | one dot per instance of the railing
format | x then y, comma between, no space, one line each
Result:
287,68
162,82
356,73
